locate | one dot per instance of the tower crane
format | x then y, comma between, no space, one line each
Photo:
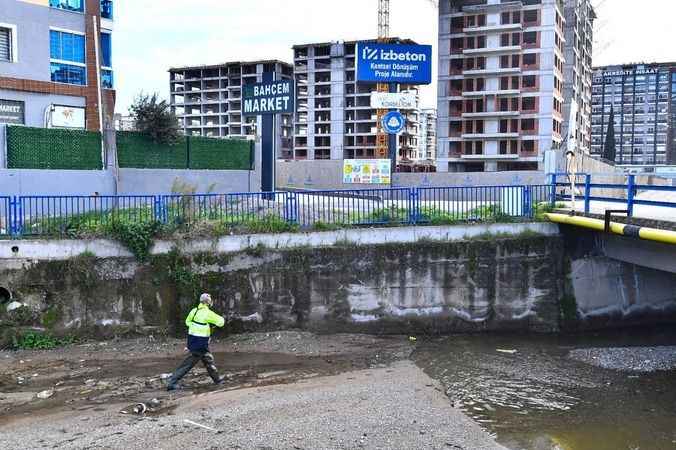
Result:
383,37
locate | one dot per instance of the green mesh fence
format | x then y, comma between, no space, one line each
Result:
221,154
136,150
49,148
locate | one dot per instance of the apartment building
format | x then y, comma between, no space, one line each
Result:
641,99
427,147
334,118
578,32
500,100
56,63
208,100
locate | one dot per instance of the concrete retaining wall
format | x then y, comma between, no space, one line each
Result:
398,280
328,174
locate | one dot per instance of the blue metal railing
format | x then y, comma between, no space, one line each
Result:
587,191
82,215
5,216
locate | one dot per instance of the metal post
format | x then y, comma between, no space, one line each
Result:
291,207
157,201
587,193
413,205
552,190
527,201
392,143
268,138
12,216
631,192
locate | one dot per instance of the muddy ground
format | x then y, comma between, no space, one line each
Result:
125,372
285,390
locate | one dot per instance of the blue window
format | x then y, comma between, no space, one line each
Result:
67,52
106,61
107,79
106,50
65,73
107,9
70,5
67,46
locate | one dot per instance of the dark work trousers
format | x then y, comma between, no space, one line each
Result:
188,363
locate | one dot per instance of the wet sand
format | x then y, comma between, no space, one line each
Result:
286,390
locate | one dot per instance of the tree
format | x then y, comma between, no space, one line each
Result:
155,118
609,152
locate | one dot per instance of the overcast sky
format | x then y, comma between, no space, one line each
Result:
153,35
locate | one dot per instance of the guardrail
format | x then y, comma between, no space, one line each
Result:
55,215
587,191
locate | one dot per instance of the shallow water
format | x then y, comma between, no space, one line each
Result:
538,398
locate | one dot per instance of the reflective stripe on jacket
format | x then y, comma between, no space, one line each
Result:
200,319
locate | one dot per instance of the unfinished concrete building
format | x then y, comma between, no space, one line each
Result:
579,32
501,78
208,100
334,118
427,147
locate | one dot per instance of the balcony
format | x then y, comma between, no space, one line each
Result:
493,27
490,157
491,71
492,135
491,50
490,92
477,115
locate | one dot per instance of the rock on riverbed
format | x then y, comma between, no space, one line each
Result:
633,359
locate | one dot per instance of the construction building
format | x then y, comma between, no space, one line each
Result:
208,100
578,32
56,63
501,81
334,118
427,147
641,100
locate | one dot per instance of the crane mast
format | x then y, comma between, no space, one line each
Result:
383,36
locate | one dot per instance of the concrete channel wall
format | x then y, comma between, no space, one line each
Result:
390,280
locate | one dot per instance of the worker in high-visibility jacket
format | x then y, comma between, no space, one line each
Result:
199,323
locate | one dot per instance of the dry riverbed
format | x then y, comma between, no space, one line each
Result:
292,390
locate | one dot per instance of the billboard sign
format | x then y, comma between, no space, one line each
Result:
12,112
401,100
68,117
273,97
394,63
367,171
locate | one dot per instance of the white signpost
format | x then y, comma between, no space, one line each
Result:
399,100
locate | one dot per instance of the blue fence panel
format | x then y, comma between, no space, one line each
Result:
78,215
225,209
5,216
62,215
353,207
480,203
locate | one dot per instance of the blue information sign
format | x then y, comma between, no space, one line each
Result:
394,63
393,122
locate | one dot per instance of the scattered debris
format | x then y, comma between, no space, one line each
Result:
190,422
165,376
140,409
45,394
14,305
509,352
412,338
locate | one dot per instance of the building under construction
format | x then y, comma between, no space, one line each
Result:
208,100
334,118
